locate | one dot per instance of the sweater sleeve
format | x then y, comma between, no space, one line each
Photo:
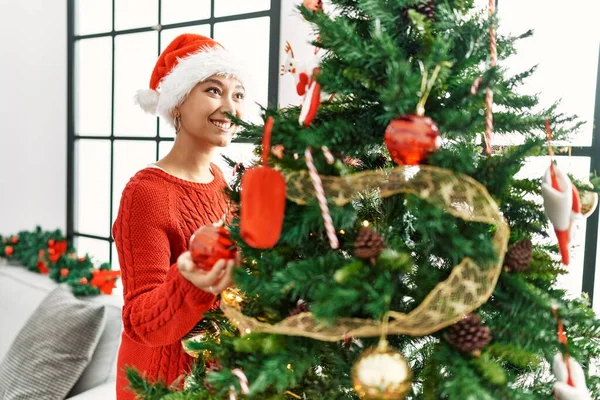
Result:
160,305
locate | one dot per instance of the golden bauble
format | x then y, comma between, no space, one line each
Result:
233,297
201,333
381,373
589,202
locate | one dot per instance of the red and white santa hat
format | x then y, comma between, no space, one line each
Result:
188,60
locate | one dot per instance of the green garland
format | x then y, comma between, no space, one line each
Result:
49,253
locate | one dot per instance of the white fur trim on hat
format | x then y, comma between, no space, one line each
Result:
189,71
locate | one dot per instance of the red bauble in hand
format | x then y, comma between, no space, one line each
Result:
211,243
411,138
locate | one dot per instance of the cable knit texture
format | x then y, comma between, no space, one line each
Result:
157,216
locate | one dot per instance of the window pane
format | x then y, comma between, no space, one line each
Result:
565,30
239,152
169,34
248,40
93,58
135,13
184,10
92,187
164,148
93,16
114,263
135,57
579,167
165,129
130,157
234,7
96,249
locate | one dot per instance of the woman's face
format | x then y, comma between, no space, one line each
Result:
203,113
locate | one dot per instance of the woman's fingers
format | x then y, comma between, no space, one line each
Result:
226,281
209,278
217,279
185,262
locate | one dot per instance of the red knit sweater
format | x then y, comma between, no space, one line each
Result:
157,215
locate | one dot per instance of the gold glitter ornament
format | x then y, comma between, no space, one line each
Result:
589,202
381,373
201,333
233,297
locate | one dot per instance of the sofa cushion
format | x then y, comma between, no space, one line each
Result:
103,366
52,349
21,292
107,391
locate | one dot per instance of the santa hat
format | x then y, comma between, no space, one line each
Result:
188,60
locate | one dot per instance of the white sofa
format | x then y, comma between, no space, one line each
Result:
21,291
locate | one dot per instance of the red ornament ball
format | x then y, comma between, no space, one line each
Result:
211,243
64,272
411,138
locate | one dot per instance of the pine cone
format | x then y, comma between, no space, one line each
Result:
380,161
518,257
427,9
369,244
468,335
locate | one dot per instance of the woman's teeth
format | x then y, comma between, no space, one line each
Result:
221,124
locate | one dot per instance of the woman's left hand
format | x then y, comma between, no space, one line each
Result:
214,281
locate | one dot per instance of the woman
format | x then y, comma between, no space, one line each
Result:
193,86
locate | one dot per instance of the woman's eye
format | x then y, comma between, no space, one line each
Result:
240,96
214,91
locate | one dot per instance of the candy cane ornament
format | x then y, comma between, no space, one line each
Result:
489,96
244,388
321,199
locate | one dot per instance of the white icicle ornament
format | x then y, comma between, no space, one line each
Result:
562,205
570,379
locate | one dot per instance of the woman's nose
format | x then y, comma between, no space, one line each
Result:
228,105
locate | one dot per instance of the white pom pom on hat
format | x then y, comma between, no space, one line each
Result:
147,99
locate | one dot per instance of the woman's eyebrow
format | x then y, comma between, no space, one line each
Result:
214,81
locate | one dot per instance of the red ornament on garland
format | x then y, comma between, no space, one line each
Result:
83,281
9,251
211,243
43,267
105,280
56,249
64,272
14,240
411,138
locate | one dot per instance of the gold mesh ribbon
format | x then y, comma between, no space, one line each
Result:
469,285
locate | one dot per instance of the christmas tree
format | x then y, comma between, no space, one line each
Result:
409,262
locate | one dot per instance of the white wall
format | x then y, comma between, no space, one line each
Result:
33,110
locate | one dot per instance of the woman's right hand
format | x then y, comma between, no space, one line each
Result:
214,281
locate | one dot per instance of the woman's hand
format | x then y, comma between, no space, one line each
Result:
213,281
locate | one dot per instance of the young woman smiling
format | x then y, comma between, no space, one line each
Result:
194,86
